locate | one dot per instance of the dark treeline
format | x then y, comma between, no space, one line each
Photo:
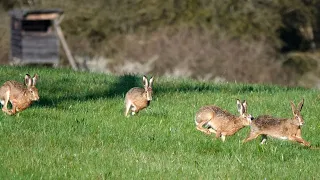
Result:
202,39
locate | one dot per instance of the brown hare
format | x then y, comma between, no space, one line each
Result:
19,96
139,98
213,119
280,128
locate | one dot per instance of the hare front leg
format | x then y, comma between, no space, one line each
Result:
264,139
299,140
134,109
298,134
221,135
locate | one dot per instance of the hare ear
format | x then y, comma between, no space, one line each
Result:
145,81
244,104
293,107
300,105
240,107
151,81
34,79
27,80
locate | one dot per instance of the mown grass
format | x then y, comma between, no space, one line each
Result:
78,131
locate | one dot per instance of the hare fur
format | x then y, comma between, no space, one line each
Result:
18,95
212,119
280,128
138,98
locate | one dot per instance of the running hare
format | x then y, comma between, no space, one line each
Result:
213,119
139,98
280,128
19,96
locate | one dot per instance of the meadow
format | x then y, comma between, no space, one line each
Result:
78,131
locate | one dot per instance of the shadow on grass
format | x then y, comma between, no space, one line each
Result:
194,86
123,84
106,90
117,88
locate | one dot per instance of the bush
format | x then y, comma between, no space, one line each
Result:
197,53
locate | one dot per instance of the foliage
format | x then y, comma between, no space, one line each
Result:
102,28
96,22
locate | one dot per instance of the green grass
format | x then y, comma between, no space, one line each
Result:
78,131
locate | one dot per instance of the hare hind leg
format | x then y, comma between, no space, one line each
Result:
128,107
5,99
202,129
251,136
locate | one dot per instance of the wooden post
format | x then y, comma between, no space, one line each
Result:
64,44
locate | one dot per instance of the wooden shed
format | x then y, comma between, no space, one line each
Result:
33,36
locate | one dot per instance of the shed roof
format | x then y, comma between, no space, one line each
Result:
38,14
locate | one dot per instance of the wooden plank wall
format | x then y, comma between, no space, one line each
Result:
43,48
16,47
29,46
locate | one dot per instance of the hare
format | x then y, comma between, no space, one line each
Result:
213,119
280,128
19,96
139,98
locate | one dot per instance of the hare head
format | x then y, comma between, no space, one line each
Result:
148,87
297,118
242,109
32,91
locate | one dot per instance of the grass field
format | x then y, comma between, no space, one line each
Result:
78,131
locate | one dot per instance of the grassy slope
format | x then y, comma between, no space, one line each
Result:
78,131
